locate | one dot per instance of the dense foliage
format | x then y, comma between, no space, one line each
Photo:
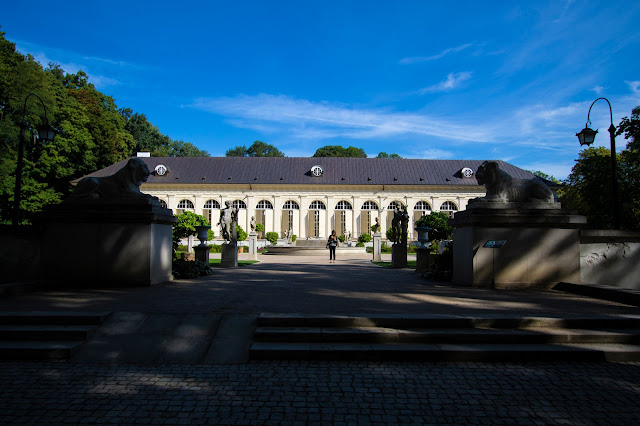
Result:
439,224
93,131
257,149
588,187
339,151
272,237
385,155
187,222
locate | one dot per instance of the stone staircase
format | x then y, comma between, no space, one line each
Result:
40,336
446,338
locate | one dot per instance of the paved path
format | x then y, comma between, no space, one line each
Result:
167,355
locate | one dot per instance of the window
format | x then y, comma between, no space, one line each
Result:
343,223
449,207
369,205
343,205
394,205
317,205
264,205
239,204
208,206
422,205
316,223
212,204
184,205
291,205
163,203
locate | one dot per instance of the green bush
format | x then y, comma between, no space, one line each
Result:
216,248
210,235
186,226
189,269
439,224
294,237
360,244
182,247
242,234
391,234
385,248
341,238
272,237
259,227
364,238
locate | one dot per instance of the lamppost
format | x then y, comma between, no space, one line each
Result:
45,133
586,137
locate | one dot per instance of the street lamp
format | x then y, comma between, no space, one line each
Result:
45,133
586,137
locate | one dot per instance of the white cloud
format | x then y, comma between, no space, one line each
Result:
323,120
453,80
598,90
417,59
634,86
436,154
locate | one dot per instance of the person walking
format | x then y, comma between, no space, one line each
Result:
332,244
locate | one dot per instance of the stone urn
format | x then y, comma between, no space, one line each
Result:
201,232
423,236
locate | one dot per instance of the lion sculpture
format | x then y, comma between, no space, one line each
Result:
125,183
501,187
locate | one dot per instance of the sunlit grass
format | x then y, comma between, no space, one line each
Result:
410,264
215,263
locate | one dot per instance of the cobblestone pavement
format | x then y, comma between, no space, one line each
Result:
314,393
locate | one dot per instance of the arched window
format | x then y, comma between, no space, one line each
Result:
264,205
449,206
394,205
291,205
422,205
343,205
212,204
317,205
208,206
369,205
184,205
238,204
163,203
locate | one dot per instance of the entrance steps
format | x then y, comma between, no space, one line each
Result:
40,336
446,338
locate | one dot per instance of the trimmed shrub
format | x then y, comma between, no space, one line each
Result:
272,237
364,238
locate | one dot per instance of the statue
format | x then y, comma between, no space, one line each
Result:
125,183
400,223
252,223
376,227
501,187
228,220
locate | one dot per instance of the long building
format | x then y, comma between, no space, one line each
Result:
310,197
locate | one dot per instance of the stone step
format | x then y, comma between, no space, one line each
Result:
443,321
53,318
37,350
46,332
536,335
444,352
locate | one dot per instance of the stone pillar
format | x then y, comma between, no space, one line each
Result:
229,257
118,242
202,253
399,255
253,246
422,260
377,247
541,245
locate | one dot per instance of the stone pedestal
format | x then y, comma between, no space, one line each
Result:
542,245
377,247
202,253
422,260
93,242
399,256
229,257
253,246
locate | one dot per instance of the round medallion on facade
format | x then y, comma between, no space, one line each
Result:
317,171
467,172
161,170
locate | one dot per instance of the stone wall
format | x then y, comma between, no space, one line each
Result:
610,258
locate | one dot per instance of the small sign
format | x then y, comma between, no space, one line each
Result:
494,244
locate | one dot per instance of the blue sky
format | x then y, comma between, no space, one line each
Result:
509,80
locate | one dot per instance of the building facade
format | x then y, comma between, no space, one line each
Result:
310,197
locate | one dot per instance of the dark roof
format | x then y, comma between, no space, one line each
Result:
297,170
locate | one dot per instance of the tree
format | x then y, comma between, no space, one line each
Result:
340,151
439,224
588,187
545,176
257,149
385,155
186,225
